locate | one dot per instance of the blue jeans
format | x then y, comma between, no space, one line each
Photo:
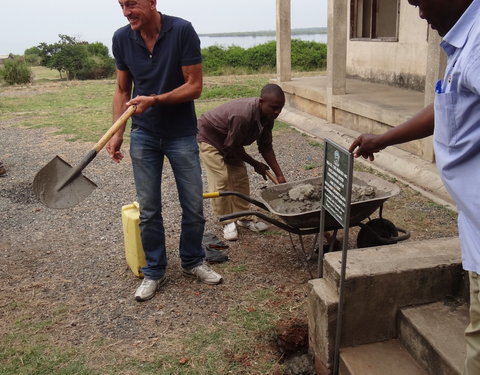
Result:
147,152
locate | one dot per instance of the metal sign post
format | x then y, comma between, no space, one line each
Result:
336,198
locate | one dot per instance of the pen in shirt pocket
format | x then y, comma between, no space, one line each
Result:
438,87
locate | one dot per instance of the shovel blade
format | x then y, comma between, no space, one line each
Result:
50,177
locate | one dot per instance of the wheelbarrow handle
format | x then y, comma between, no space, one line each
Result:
237,194
217,194
214,194
270,220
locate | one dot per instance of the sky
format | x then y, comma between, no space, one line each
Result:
31,22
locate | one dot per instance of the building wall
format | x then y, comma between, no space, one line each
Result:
401,63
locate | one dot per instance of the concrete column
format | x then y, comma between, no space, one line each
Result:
284,38
337,26
436,63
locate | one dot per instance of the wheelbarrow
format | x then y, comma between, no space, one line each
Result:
373,232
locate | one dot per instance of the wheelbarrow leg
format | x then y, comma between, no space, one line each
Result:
315,243
304,255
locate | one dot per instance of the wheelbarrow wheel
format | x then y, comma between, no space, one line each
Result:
377,232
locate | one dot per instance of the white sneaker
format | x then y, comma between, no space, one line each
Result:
230,232
204,273
148,288
254,226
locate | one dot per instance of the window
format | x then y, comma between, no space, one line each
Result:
374,19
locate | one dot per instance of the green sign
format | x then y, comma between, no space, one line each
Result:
336,196
337,182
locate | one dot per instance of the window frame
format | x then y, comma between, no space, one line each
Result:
354,20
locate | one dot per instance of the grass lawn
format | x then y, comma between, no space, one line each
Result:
82,109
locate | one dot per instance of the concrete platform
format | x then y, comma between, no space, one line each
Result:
367,107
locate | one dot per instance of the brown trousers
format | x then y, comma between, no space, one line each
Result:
472,333
224,177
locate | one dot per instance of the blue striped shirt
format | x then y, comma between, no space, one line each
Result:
457,129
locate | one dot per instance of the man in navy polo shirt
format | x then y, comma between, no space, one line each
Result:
160,57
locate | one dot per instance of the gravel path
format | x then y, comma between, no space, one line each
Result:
74,259
68,266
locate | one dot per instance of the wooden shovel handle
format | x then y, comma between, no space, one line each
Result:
115,127
271,177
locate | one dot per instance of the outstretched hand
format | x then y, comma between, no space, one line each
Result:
365,146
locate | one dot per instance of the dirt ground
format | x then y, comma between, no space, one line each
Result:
68,267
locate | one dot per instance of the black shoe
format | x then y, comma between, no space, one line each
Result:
214,255
211,241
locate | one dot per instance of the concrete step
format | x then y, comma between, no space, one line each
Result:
433,334
380,280
387,357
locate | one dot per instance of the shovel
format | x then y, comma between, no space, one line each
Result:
271,176
59,185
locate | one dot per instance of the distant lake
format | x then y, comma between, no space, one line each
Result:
251,41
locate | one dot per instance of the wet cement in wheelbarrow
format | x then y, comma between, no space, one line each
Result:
306,197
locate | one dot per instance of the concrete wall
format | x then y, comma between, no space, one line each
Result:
401,63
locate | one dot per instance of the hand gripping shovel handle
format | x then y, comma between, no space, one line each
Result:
271,177
99,145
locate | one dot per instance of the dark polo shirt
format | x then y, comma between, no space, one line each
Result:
233,125
159,72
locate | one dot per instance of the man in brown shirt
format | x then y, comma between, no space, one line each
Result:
222,134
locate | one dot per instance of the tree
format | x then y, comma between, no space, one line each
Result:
77,59
69,59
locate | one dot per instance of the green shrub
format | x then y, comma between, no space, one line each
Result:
97,67
306,56
16,72
33,56
235,57
97,49
214,58
263,55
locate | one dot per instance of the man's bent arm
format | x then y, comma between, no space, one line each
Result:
271,160
190,90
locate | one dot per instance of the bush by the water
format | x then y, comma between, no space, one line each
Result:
306,56
77,59
16,72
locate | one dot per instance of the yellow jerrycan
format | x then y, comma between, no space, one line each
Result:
134,253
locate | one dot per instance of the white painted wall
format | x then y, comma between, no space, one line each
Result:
393,62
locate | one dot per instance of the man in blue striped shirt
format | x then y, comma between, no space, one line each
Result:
454,120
